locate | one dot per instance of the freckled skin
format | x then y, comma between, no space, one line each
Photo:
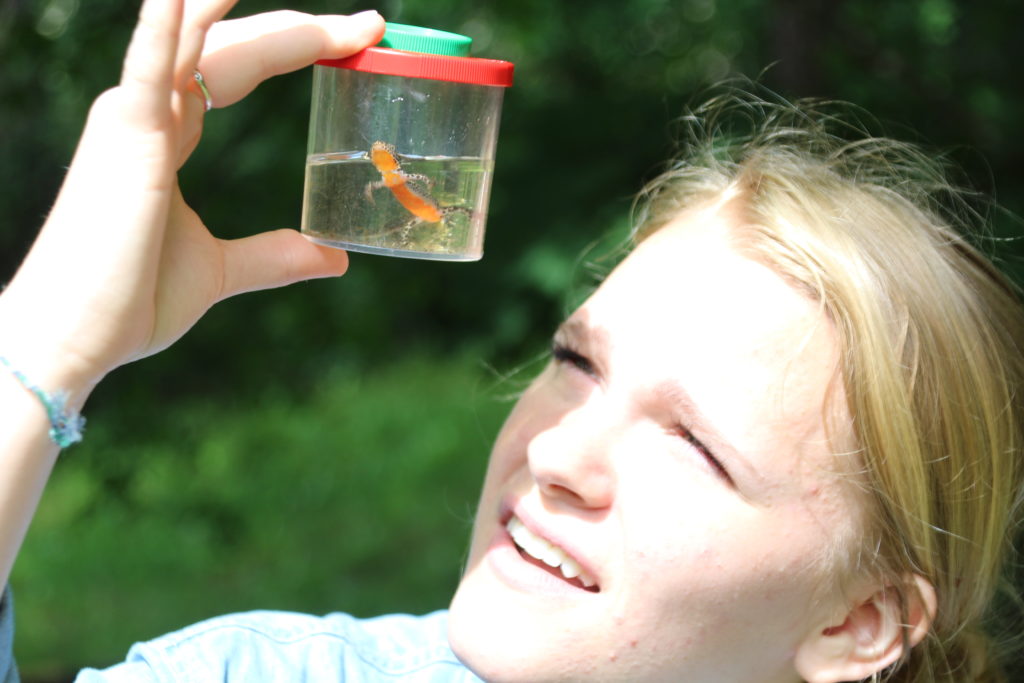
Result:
699,580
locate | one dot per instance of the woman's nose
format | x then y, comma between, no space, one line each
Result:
570,461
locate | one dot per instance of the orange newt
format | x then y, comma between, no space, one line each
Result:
419,203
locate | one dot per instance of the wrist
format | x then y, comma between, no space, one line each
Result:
44,360
65,423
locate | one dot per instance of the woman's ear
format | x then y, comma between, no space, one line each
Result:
869,636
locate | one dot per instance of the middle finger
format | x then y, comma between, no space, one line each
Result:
241,53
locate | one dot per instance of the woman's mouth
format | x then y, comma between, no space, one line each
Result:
550,557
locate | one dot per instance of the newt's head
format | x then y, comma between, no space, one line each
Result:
383,156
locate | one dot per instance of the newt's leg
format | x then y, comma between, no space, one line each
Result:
419,179
444,230
370,187
405,231
449,211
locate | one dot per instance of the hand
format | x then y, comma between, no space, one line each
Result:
123,267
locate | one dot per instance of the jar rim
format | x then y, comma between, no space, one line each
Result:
390,62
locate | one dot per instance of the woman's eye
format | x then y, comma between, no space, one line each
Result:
563,354
706,453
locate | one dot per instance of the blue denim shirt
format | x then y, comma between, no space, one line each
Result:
282,646
8,671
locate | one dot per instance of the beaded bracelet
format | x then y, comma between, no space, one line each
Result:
65,427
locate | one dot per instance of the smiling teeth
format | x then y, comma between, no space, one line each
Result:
549,554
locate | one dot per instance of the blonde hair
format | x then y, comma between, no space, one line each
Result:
930,333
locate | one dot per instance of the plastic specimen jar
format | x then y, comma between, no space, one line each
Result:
401,147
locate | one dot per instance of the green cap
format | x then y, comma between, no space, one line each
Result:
428,40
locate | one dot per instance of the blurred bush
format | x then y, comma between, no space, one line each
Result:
356,496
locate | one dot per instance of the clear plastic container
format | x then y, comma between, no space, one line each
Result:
401,147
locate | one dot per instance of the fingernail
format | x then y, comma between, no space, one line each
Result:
366,15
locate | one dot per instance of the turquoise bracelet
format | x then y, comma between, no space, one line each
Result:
65,427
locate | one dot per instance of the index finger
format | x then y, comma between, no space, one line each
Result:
147,77
241,53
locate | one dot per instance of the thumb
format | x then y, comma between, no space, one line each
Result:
275,259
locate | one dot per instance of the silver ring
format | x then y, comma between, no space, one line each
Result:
207,98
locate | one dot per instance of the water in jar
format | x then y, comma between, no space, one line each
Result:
347,204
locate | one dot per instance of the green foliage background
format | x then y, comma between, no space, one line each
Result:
319,447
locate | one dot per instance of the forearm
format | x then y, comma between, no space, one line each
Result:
27,450
123,266
27,455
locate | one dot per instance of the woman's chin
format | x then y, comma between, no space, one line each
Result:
521,631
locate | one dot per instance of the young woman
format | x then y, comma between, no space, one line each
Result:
781,442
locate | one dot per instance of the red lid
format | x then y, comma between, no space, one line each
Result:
381,60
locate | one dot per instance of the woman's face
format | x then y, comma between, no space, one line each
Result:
673,459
